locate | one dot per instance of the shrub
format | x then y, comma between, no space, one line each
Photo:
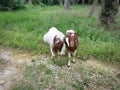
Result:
11,4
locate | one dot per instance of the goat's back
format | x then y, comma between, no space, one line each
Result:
49,36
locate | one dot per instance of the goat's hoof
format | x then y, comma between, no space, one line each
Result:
73,61
68,65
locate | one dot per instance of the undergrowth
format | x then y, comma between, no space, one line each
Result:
25,29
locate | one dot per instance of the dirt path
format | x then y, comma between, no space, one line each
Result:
13,61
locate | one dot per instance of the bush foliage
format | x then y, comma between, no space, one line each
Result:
11,4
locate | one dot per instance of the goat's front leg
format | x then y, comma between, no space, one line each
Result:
69,61
53,55
62,52
74,54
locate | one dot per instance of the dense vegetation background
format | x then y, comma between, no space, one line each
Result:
15,4
25,29
23,24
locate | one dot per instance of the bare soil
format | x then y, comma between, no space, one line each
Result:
13,61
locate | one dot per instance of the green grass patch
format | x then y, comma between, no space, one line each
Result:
48,72
117,88
77,86
61,61
36,77
25,29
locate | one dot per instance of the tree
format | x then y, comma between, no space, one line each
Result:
67,4
83,2
73,2
93,8
108,12
11,4
61,2
30,1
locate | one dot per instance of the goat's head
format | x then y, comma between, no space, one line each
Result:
57,44
71,39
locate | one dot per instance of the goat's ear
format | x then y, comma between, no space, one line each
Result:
67,41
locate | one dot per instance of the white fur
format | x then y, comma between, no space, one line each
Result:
72,35
70,31
67,41
49,36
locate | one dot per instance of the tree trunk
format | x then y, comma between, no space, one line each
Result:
73,2
30,1
93,8
67,4
108,12
61,2
83,2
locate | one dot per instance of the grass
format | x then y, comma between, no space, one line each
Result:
43,74
25,29
60,61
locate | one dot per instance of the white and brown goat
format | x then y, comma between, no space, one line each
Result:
72,42
55,39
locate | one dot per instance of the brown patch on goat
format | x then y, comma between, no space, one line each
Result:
73,41
57,45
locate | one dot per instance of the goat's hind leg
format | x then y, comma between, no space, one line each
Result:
53,55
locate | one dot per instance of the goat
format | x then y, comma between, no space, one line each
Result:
71,42
55,39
